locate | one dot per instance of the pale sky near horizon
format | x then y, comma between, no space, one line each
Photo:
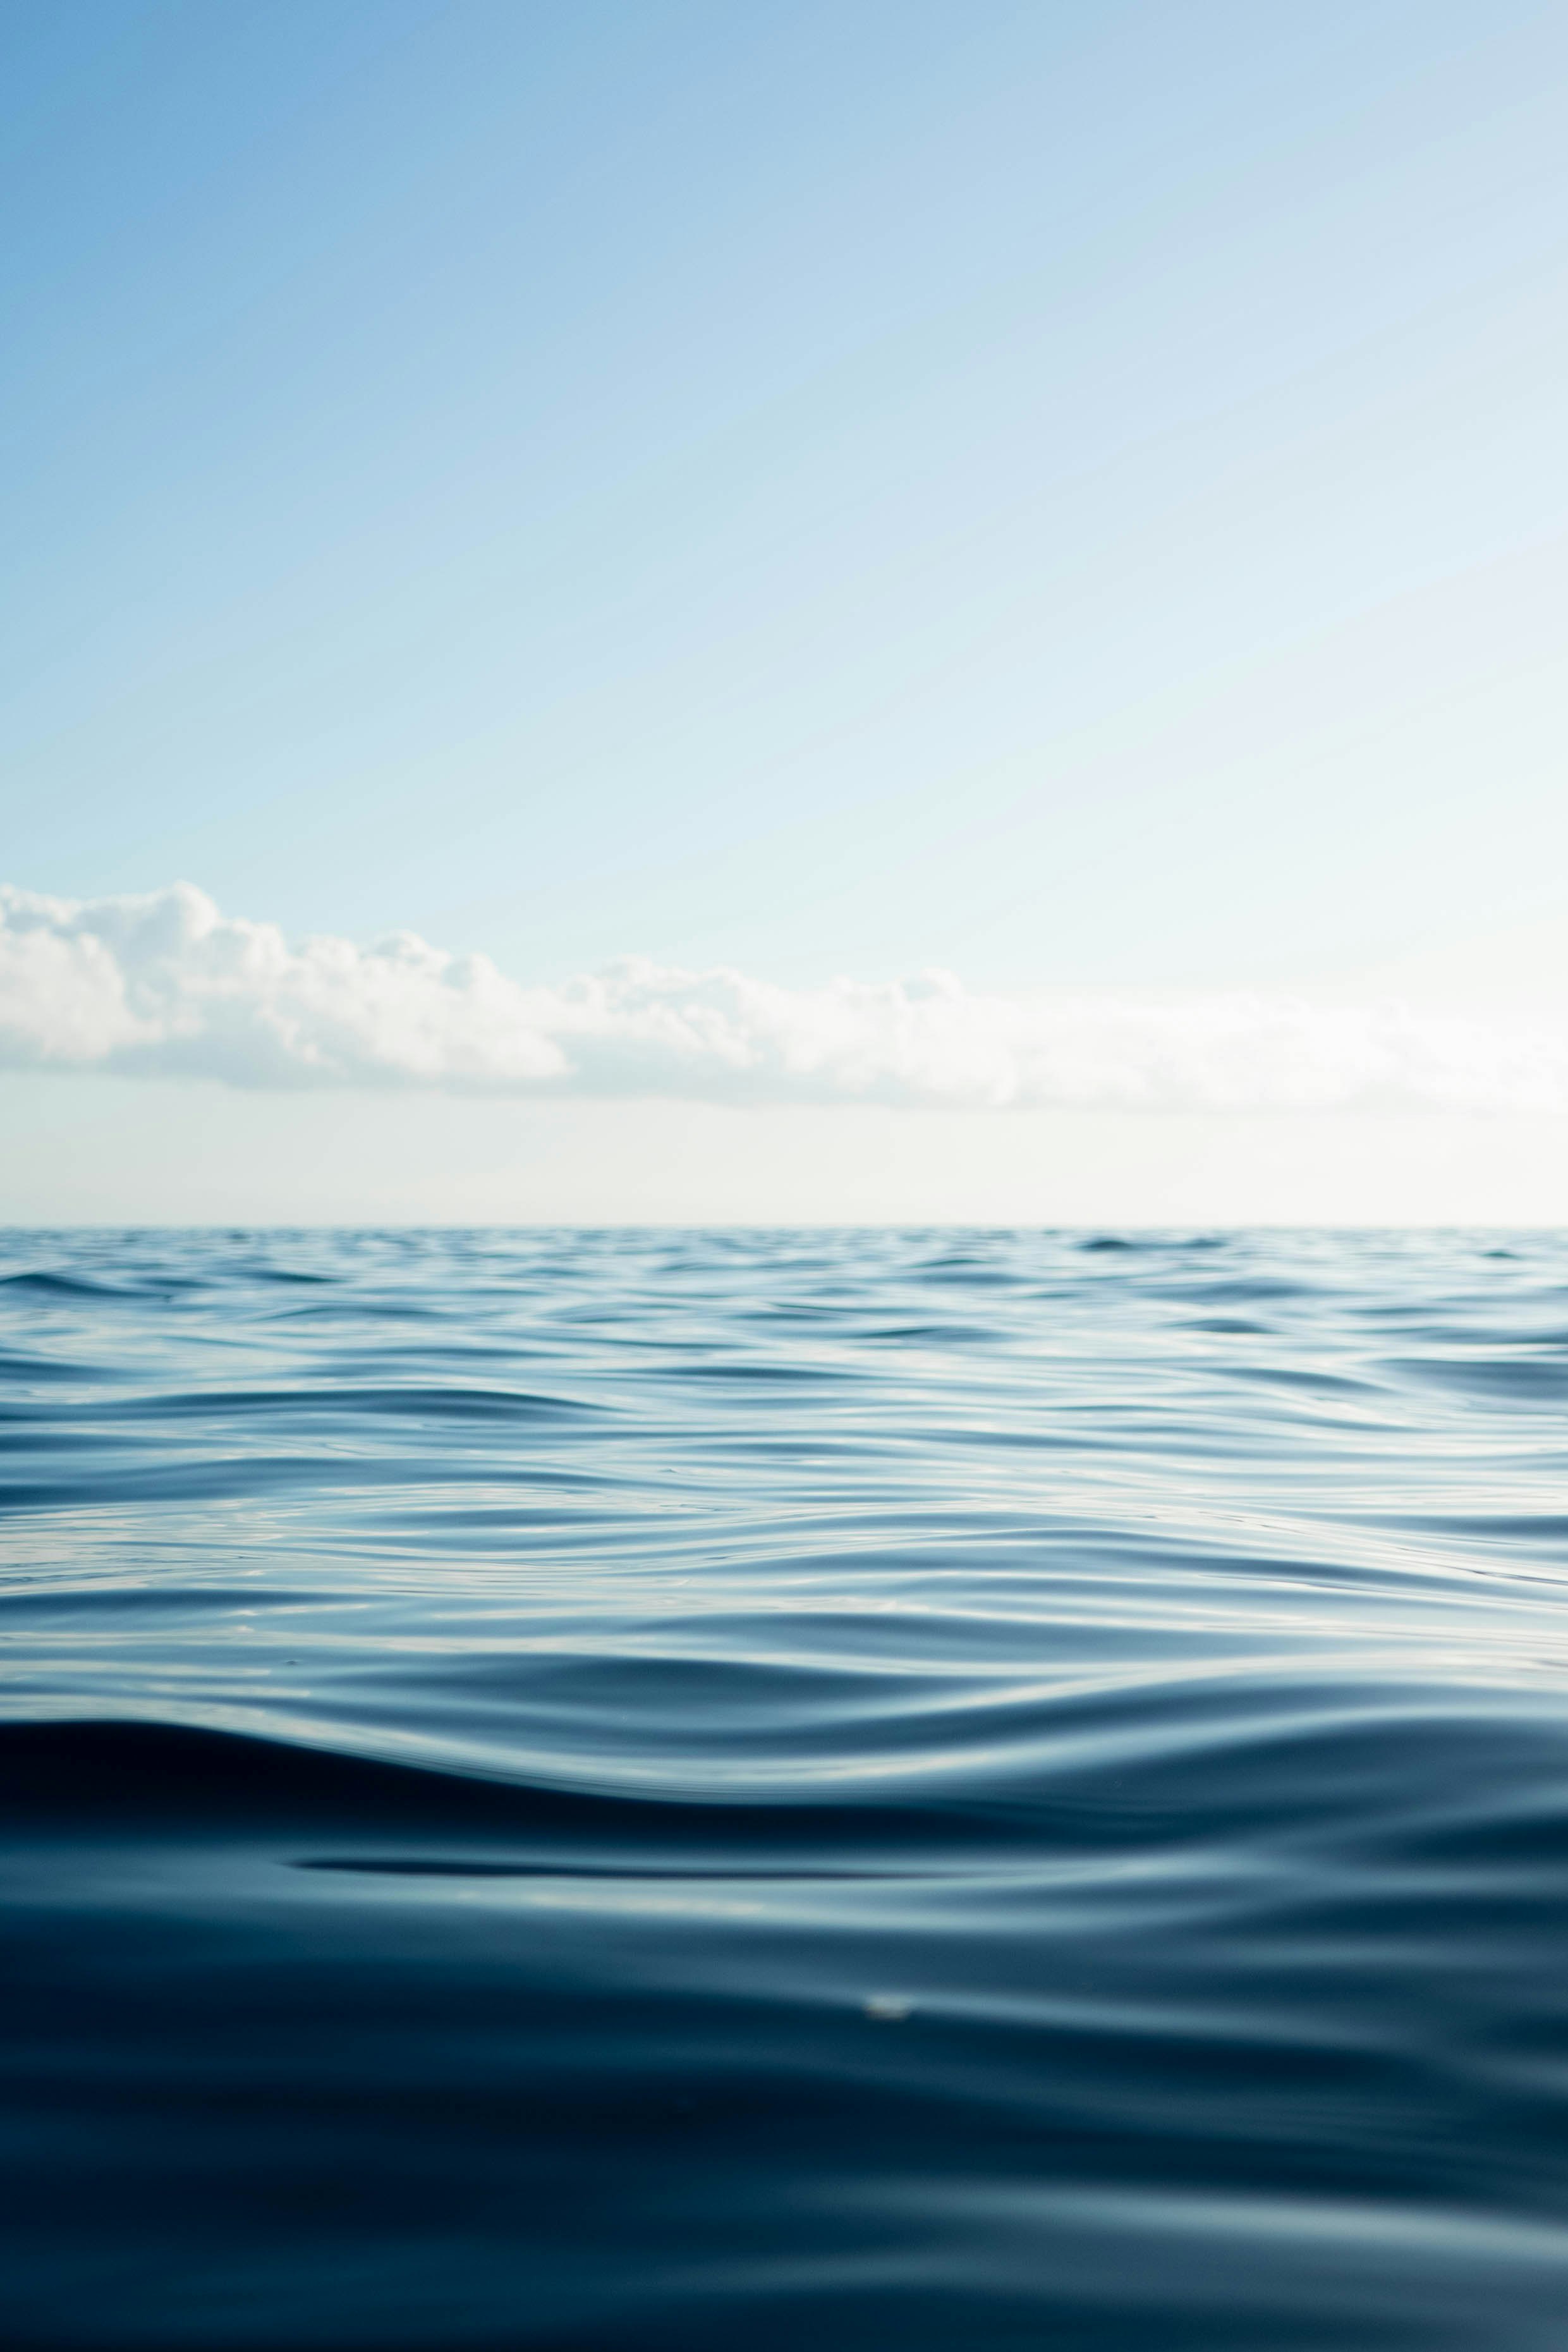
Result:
1073,496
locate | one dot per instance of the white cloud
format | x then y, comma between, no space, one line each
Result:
166,986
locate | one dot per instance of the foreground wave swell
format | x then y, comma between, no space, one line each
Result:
926,1790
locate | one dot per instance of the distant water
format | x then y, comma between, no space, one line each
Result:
938,1791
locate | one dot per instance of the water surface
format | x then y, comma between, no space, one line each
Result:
929,1789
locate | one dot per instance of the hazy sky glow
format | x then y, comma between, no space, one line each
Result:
802,498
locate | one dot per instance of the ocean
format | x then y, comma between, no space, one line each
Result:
963,1789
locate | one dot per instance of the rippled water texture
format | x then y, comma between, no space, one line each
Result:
773,1791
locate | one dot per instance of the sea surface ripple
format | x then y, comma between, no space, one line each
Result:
928,1789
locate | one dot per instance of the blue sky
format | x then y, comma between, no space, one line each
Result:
1072,494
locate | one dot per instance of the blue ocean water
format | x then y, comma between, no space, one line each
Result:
665,1789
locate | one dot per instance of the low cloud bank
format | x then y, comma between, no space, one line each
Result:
166,986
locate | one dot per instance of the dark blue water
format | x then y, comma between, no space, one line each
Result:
772,1790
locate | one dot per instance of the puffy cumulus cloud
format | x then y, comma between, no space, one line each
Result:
165,985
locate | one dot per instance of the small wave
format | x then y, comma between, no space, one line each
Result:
130,1777
45,1286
